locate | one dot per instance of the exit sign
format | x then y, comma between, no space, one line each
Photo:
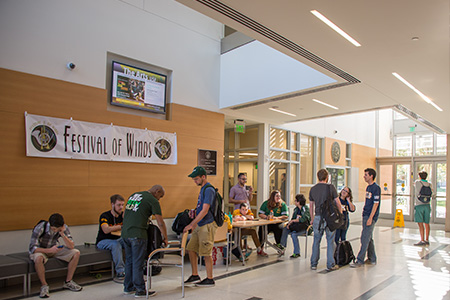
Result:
239,126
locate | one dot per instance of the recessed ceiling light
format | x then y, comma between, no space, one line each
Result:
335,28
281,112
326,104
425,98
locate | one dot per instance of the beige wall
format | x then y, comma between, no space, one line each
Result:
33,188
328,159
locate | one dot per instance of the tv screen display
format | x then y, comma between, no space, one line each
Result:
138,88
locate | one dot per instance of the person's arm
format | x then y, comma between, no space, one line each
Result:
162,227
312,210
376,202
67,238
106,228
198,218
262,211
351,206
338,203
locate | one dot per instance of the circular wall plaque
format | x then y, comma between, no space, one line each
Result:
335,152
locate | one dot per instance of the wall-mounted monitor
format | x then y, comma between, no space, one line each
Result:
138,88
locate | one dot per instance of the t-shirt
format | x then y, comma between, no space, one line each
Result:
237,212
345,208
277,211
373,193
206,196
108,218
139,208
239,192
319,194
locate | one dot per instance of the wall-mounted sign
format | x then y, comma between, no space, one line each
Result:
335,152
208,160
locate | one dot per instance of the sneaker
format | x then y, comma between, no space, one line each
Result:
295,255
72,285
119,278
421,243
333,268
245,256
427,242
142,294
129,292
313,267
262,253
355,265
206,283
369,262
44,292
193,279
280,246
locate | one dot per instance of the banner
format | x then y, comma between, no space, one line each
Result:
63,138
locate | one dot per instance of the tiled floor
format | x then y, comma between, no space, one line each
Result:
403,272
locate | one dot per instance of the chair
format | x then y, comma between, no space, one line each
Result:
222,239
163,262
305,234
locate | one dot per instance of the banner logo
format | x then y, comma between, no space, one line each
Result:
43,138
163,149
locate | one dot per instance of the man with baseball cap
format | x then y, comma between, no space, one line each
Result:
203,230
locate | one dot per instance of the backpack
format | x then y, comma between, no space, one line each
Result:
343,254
181,220
217,206
154,241
330,213
45,225
425,194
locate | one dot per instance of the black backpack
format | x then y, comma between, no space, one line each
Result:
181,220
217,206
343,254
45,225
154,241
330,213
425,194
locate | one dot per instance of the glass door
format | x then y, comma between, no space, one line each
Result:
403,190
440,200
386,183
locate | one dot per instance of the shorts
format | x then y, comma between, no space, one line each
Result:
422,213
202,239
65,254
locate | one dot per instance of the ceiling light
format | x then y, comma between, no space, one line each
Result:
335,28
427,100
323,103
281,112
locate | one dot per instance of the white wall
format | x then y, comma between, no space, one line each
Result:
41,37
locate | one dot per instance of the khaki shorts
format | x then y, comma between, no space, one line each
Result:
202,239
64,254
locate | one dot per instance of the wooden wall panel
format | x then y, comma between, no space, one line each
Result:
33,188
328,159
363,157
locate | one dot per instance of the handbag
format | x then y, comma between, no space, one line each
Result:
330,213
298,227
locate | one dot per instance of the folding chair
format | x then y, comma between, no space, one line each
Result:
165,261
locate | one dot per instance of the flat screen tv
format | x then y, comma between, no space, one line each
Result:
138,88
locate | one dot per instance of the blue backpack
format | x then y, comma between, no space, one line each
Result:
425,194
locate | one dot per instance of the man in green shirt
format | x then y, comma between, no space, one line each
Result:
140,207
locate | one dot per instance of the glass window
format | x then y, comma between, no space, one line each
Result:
399,116
441,144
278,155
278,138
441,190
249,139
424,144
294,138
292,181
277,177
248,154
403,145
305,191
337,178
249,169
306,159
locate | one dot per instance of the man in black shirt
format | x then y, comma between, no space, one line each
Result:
110,222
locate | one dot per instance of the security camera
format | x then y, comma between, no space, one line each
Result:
71,66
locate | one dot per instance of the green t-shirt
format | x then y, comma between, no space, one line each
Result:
277,211
140,206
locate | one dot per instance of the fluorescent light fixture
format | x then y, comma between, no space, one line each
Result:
326,104
249,154
282,112
335,28
425,98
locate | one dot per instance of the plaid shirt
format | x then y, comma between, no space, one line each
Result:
46,240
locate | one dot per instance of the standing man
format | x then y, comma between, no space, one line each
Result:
370,214
317,196
241,193
203,230
111,222
140,207
422,209
44,244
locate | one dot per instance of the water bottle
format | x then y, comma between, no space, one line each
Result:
271,215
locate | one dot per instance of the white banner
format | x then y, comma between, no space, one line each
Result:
62,138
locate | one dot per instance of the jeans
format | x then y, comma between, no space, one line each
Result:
135,254
367,244
294,236
318,233
341,234
275,228
115,246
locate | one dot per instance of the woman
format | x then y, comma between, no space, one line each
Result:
347,206
276,207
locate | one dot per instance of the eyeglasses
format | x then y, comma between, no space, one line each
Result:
243,179
346,191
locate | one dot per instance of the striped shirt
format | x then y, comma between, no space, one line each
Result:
47,239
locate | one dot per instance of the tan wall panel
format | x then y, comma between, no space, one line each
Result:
363,157
33,188
328,160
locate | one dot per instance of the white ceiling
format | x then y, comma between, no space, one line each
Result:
384,29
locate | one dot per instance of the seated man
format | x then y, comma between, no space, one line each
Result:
243,214
44,244
111,221
299,223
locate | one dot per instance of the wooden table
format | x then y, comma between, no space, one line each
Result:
238,225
